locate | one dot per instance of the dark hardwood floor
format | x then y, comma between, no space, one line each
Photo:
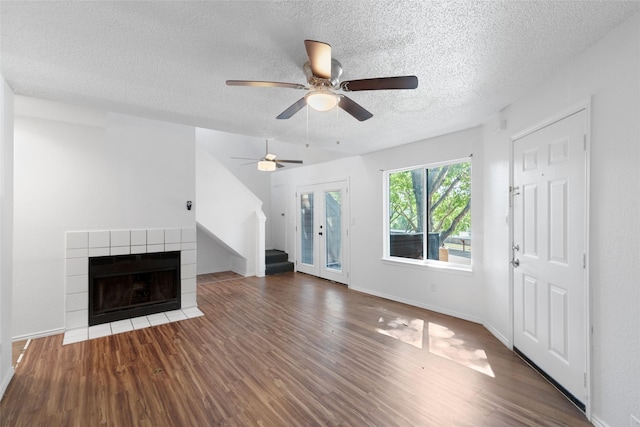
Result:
285,350
17,348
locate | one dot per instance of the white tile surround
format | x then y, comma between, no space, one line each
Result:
80,245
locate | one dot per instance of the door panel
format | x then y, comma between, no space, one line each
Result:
530,307
322,230
530,220
549,241
558,326
558,221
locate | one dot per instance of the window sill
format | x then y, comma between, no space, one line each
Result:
430,265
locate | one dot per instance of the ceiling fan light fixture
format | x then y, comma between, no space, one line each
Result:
266,165
322,100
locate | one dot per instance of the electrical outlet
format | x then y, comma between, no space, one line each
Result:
635,422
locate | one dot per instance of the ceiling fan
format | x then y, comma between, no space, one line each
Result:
323,75
269,162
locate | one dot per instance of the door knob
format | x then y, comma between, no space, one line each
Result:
515,262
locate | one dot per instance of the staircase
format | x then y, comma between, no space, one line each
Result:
277,262
239,227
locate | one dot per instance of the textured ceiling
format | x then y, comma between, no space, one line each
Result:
170,60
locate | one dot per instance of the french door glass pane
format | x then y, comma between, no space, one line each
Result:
306,225
333,238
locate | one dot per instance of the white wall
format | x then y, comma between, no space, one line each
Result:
223,146
81,169
457,292
609,73
212,257
227,209
496,178
6,232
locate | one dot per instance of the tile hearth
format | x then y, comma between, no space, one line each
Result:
87,333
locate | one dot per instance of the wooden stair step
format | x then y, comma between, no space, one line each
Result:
272,256
278,267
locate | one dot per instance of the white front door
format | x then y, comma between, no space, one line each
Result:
322,230
549,276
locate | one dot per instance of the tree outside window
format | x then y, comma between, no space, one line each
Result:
437,199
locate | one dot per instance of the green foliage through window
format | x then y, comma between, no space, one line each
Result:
432,200
403,207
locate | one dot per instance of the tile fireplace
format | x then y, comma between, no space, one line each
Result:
138,268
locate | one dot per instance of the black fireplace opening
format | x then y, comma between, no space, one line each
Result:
128,286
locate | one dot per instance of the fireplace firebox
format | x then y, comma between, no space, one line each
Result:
127,286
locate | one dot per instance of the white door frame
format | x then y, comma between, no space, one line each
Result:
346,267
586,106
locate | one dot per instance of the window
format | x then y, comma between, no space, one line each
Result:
429,213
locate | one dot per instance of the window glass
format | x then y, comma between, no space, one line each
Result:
429,213
406,214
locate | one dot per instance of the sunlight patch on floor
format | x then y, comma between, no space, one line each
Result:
442,342
403,329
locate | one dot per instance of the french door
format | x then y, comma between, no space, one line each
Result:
549,251
322,230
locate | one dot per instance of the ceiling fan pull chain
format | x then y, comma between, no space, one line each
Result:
336,126
307,125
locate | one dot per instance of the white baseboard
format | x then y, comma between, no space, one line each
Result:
421,305
243,273
597,422
5,382
498,335
40,334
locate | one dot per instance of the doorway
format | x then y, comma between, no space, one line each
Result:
322,230
549,251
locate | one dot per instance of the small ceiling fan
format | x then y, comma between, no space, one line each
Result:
269,162
323,75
